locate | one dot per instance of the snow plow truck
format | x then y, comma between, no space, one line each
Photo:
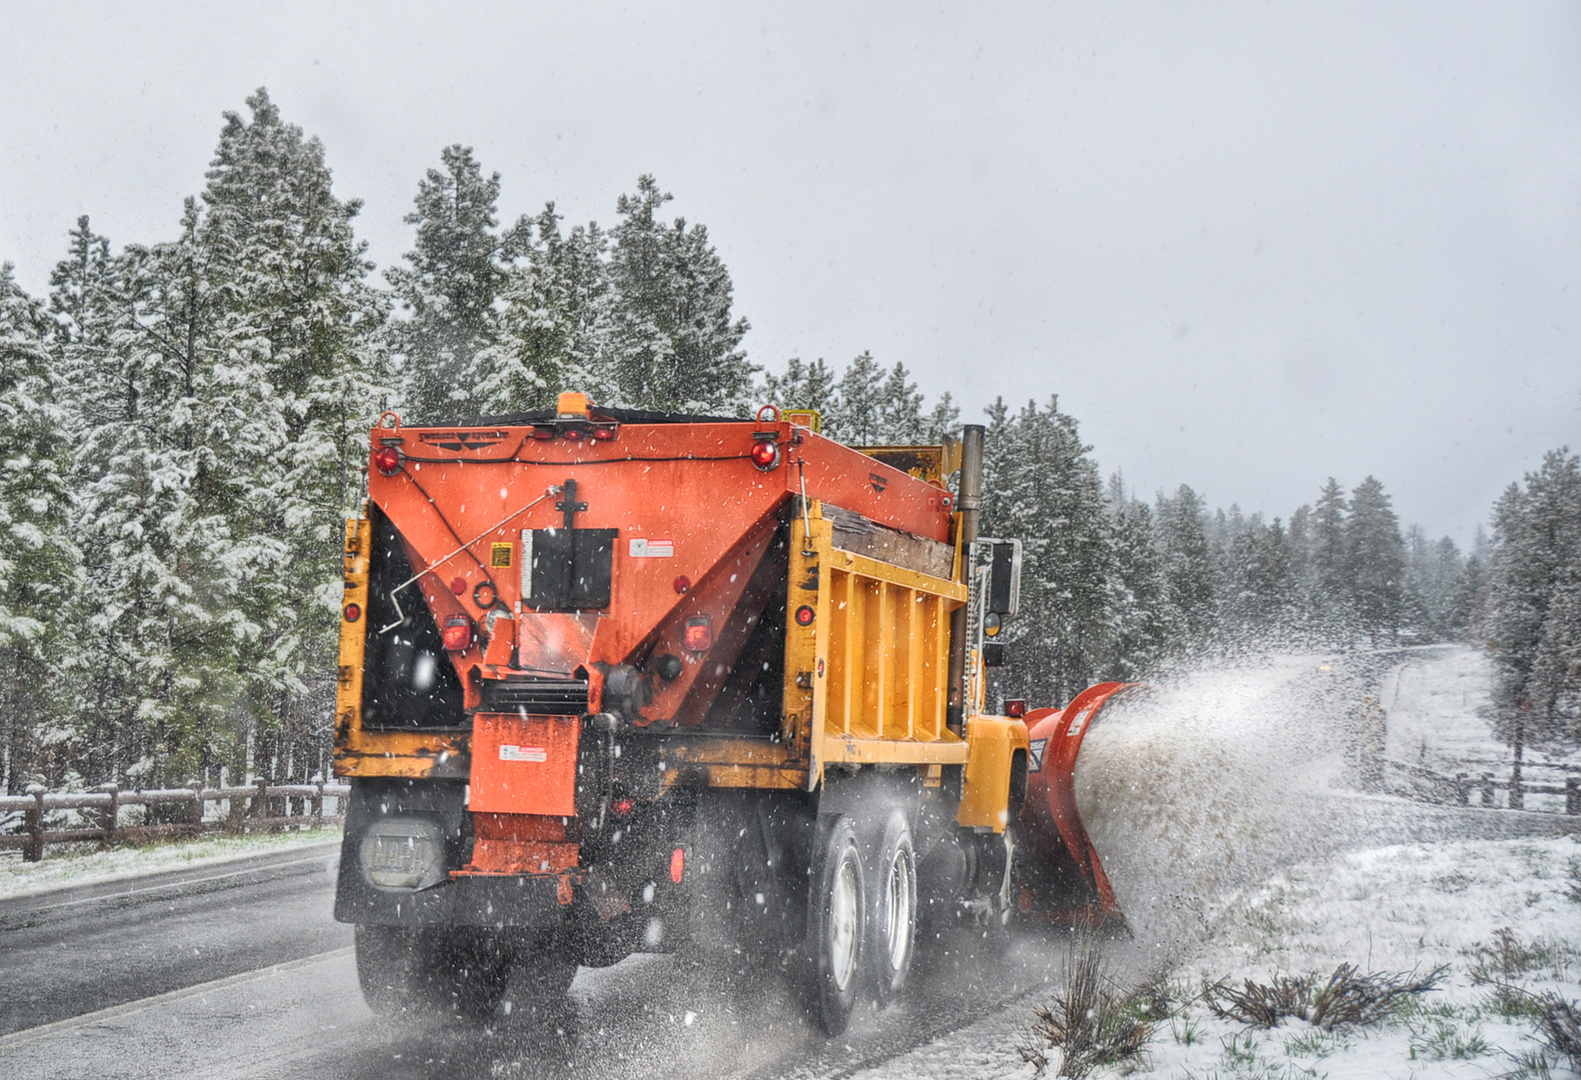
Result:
616,681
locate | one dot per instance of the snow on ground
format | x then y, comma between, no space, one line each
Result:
60,871
1436,703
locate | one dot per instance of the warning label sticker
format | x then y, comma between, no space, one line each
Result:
508,752
1037,747
654,547
1078,723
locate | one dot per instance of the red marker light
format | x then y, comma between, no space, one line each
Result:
804,616
387,459
458,586
765,454
353,612
683,584
572,433
543,434
603,434
458,633
623,807
677,865
1015,708
699,633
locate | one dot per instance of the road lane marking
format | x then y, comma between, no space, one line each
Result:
132,1008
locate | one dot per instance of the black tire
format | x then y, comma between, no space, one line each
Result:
836,926
892,939
432,972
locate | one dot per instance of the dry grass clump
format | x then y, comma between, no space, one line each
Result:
1347,998
1091,1022
1559,1026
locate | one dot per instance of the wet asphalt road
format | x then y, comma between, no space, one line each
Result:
245,974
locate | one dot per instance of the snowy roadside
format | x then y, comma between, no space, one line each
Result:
1413,906
21,879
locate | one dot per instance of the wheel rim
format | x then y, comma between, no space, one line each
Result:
898,909
843,929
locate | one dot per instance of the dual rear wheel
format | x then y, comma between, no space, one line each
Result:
862,921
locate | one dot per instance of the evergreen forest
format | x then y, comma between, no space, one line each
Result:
183,429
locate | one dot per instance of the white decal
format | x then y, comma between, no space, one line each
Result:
523,753
1037,748
652,548
1080,722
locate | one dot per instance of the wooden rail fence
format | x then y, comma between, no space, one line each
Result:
258,807
1467,790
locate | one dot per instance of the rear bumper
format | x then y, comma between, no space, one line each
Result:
497,901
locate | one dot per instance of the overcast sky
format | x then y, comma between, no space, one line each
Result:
1248,246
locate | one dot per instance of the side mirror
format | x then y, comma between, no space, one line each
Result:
1004,578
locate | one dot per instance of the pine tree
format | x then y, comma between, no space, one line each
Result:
1041,486
900,409
856,416
1376,556
1188,566
802,386
555,318
455,275
1141,623
670,342
1330,554
301,325
1532,606
38,575
944,419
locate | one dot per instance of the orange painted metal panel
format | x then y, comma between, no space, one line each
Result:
524,765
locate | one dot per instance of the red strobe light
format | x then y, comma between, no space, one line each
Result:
1015,708
458,633
699,633
387,459
765,454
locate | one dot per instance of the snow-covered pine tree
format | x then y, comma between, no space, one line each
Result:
1141,626
554,320
1040,485
1375,552
900,416
159,488
670,342
856,415
38,561
300,324
455,274
943,419
1333,615
1531,611
802,386
1188,566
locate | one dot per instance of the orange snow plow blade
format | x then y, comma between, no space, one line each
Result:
1064,881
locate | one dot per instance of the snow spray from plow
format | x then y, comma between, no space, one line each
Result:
1146,803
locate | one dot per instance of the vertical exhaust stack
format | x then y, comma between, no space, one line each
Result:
969,501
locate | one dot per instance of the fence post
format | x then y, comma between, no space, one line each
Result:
34,824
318,805
1573,794
1462,789
1517,792
195,815
1487,789
112,814
261,800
